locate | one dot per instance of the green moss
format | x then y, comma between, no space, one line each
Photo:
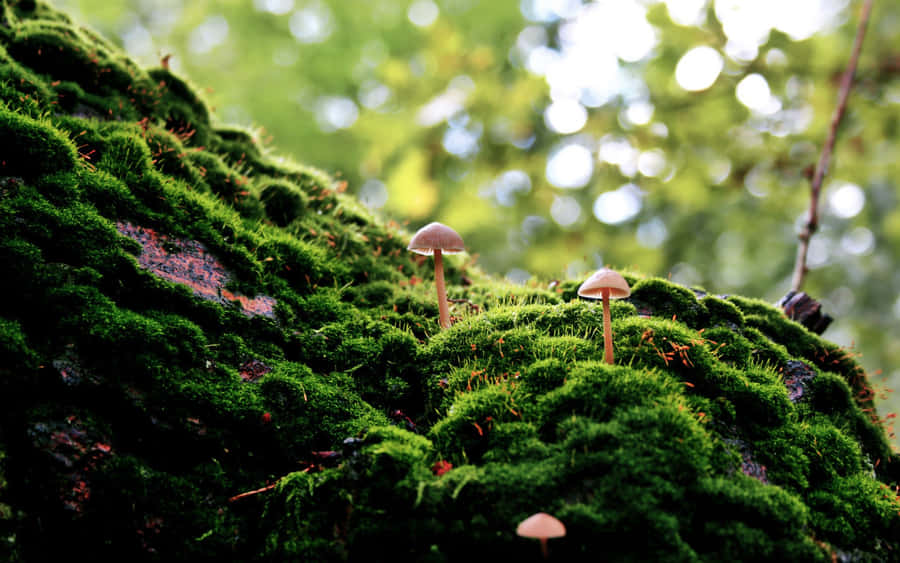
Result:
303,265
752,306
729,347
108,194
217,175
376,294
314,412
758,522
236,145
170,156
490,296
63,52
844,455
855,510
669,300
545,375
384,435
514,442
19,81
125,153
283,201
666,345
722,312
597,390
16,356
463,433
765,351
175,87
759,403
799,342
33,147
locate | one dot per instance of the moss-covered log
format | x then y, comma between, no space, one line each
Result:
208,353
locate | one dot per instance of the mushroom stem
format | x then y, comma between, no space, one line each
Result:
441,290
607,327
544,551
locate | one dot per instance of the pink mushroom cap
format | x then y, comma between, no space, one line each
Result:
605,278
436,236
541,526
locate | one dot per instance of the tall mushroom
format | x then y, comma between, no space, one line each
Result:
541,526
438,239
607,284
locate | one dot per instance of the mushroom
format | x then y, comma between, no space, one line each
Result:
607,284
541,526
438,239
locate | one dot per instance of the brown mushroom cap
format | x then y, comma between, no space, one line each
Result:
436,235
605,278
541,525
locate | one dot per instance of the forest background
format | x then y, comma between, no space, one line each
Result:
672,138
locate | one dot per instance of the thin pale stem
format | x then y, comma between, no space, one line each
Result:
607,328
812,221
441,290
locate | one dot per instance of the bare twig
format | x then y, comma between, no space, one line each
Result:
254,492
812,222
270,486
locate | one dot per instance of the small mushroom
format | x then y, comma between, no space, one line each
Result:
607,284
438,239
541,526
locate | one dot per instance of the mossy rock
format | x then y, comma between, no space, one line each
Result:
210,353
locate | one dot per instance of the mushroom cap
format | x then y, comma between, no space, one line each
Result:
436,235
541,525
605,278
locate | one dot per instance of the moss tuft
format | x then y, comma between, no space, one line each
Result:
283,202
33,147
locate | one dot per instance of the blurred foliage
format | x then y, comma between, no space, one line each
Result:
439,111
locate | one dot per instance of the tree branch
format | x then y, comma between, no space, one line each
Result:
812,222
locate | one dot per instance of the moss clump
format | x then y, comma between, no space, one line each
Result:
185,106
664,299
283,202
209,353
33,147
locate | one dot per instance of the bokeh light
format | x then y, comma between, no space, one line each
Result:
698,68
859,241
753,91
618,206
565,116
565,210
277,7
211,33
336,112
570,166
652,233
373,194
312,24
687,12
507,186
423,13
846,200
652,163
